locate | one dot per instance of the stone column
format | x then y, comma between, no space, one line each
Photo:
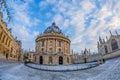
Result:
46,44
69,48
56,46
62,46
39,46
53,45
118,41
110,47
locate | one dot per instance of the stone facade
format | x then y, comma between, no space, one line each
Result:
109,48
10,47
53,47
85,56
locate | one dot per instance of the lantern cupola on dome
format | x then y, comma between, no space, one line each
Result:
53,28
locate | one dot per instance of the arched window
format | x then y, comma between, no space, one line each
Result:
59,43
43,43
106,50
114,44
59,50
42,49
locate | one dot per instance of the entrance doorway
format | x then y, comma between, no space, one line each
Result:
6,55
41,60
85,60
60,60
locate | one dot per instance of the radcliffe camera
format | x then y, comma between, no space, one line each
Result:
59,40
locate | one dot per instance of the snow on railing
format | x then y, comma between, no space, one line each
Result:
63,67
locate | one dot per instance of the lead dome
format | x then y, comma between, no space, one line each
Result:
53,28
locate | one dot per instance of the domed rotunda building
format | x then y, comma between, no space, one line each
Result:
53,47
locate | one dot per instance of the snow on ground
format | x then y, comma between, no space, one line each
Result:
110,70
63,67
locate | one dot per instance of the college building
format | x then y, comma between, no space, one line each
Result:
10,47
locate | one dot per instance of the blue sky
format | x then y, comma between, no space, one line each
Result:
82,20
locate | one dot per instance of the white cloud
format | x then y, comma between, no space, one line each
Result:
58,19
76,13
73,15
25,36
24,24
87,6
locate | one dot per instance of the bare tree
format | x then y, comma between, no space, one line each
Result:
4,7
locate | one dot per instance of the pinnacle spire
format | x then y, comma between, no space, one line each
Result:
116,32
106,38
100,39
110,32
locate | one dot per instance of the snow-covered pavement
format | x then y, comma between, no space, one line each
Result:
110,70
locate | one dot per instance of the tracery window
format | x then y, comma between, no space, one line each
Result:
114,45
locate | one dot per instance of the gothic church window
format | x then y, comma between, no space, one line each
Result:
114,45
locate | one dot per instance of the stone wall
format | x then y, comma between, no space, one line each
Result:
53,59
81,59
112,54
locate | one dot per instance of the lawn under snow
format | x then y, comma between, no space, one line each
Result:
110,70
63,67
